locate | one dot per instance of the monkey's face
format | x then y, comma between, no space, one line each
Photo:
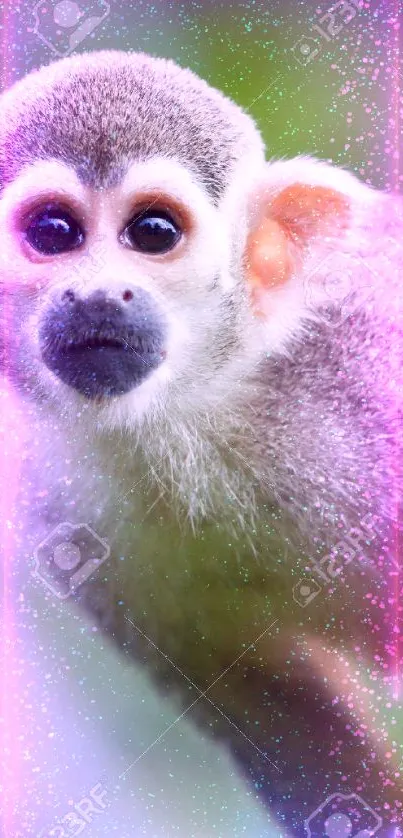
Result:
140,298
150,257
115,295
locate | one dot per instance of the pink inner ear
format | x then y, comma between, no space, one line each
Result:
295,216
307,211
269,261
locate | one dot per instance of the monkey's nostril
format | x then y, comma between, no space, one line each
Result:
127,296
68,296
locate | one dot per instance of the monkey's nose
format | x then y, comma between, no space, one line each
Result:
100,345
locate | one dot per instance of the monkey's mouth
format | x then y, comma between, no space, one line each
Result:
97,342
99,349
100,343
100,367
103,343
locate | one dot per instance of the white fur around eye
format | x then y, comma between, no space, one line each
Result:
208,246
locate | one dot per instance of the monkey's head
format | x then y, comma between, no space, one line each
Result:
149,254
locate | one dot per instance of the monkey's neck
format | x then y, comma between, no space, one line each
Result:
261,458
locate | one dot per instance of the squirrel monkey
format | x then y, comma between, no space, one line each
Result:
207,348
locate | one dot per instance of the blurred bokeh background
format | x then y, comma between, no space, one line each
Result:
316,82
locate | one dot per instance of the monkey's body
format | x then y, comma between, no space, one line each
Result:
213,500
216,600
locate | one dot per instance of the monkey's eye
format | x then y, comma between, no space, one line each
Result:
152,231
53,230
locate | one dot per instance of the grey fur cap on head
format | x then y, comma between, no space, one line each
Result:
99,111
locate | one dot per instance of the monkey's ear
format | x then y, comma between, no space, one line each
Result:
299,208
